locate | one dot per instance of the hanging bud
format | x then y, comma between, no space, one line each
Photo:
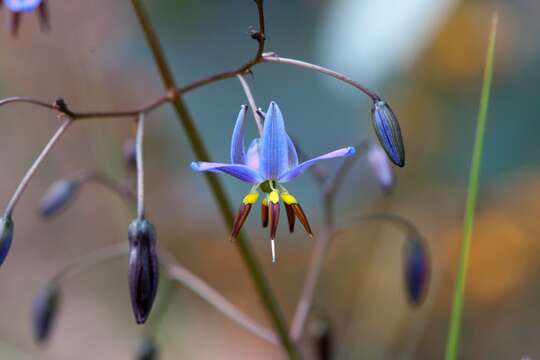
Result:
323,339
417,269
143,269
388,132
381,167
44,311
129,153
6,236
146,349
57,197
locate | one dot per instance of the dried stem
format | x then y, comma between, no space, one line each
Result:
252,104
140,166
30,173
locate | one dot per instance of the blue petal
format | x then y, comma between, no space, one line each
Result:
242,172
274,158
253,156
291,174
22,5
238,155
293,156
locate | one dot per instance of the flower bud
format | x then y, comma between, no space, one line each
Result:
388,132
323,339
381,167
57,197
44,311
129,153
143,270
146,349
417,270
6,236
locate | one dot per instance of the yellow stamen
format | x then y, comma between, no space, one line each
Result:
251,198
265,202
273,197
289,199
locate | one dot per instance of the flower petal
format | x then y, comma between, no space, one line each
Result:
293,156
238,155
253,156
291,174
241,172
22,5
274,158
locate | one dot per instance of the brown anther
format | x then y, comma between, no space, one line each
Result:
43,14
264,214
14,23
302,217
273,218
239,220
290,217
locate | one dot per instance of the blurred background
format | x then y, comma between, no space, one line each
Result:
425,57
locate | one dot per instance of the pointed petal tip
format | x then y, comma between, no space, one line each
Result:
350,151
195,166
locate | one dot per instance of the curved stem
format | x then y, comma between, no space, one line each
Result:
214,298
88,261
273,58
395,219
140,166
123,191
252,104
30,173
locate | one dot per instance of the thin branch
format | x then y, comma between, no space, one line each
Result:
214,298
140,166
30,173
252,104
272,57
111,184
303,307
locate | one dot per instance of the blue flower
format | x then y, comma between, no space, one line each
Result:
22,5
269,162
17,7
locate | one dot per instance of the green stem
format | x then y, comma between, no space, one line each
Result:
261,283
459,292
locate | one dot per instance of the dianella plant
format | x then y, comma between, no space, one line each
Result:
269,164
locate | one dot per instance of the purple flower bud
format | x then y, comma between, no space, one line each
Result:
143,270
57,197
146,349
6,236
381,167
323,338
388,132
44,311
417,270
129,153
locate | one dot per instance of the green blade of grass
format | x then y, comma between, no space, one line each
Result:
474,175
